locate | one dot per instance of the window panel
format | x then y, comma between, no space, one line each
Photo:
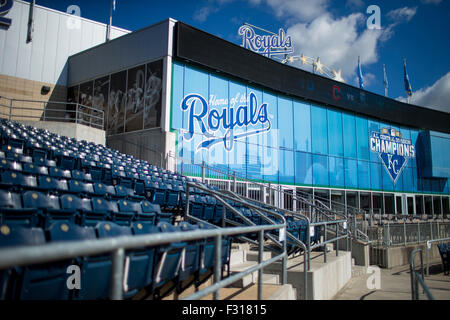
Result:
319,130
337,172
375,176
351,173
362,138
349,135
302,127
363,174
286,117
335,143
286,160
320,170
303,168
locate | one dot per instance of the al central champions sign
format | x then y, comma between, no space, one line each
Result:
393,150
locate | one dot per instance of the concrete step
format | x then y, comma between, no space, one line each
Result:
252,277
285,292
253,255
238,256
269,292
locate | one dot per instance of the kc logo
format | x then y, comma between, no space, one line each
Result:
393,150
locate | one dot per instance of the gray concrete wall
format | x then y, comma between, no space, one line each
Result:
325,280
150,145
400,256
71,130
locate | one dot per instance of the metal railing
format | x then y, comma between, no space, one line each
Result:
22,256
403,234
340,230
34,110
417,278
428,248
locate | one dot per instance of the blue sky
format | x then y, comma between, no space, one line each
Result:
334,30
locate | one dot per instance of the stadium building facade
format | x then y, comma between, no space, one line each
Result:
173,91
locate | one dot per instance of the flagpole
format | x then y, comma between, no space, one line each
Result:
385,81
108,35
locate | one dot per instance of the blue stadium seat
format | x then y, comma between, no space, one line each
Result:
72,208
149,213
169,259
96,174
80,188
141,275
56,172
52,185
102,210
122,192
128,210
42,161
158,194
196,206
13,212
208,253
80,175
10,165
172,197
65,160
103,190
209,204
17,181
191,263
36,282
32,169
96,270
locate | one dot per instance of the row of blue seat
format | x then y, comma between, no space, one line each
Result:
39,209
154,269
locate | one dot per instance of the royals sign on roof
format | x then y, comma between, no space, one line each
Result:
266,45
393,150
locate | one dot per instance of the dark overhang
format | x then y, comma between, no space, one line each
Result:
207,50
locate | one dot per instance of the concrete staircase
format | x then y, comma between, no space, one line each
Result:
243,257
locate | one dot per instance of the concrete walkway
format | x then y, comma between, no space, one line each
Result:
396,285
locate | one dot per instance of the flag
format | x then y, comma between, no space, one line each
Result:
360,76
408,87
385,81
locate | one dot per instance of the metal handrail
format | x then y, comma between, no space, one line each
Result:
417,278
28,255
428,247
219,197
78,114
238,199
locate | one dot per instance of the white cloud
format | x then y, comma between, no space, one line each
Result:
400,15
337,42
303,10
202,14
368,78
435,97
